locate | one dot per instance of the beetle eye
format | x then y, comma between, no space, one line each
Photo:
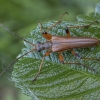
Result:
39,46
44,32
39,50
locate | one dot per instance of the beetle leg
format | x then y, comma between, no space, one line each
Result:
67,32
45,34
78,63
57,21
75,63
77,55
61,57
46,54
83,26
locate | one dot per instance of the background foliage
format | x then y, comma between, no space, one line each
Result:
23,16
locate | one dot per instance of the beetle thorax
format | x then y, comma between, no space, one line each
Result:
42,46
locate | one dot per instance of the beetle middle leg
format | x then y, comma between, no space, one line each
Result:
45,34
61,57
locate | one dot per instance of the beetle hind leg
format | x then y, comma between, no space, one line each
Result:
75,63
81,64
83,58
76,54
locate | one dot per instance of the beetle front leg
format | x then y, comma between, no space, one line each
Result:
45,34
57,21
46,54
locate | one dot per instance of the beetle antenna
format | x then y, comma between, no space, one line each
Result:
8,30
12,63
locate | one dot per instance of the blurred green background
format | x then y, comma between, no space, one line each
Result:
21,17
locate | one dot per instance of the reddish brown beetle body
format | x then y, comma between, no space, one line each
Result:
61,43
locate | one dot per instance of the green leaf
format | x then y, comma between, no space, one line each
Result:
97,9
57,81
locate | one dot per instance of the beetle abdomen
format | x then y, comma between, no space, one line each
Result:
67,43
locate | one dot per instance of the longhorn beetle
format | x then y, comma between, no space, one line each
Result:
59,44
